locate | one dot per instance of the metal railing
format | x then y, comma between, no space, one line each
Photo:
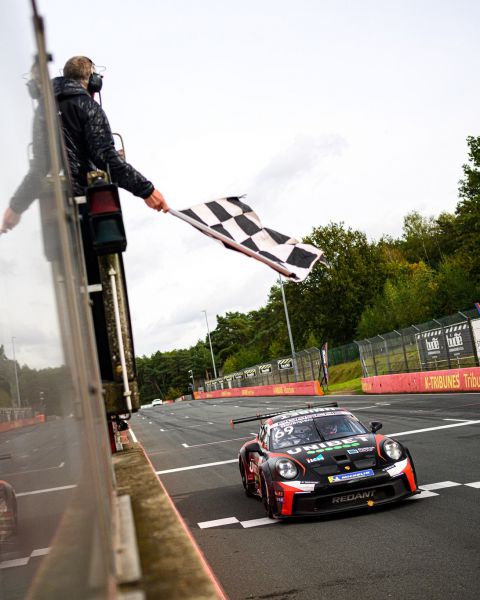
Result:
446,343
269,373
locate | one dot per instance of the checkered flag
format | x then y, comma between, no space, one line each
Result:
237,226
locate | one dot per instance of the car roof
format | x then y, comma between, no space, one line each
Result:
307,414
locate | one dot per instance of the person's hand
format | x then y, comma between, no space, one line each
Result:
10,219
156,201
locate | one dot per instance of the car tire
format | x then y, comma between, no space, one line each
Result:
267,503
243,475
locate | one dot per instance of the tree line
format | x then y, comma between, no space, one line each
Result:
432,269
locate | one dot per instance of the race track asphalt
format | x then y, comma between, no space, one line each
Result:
427,547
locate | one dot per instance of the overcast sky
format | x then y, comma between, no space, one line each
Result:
319,111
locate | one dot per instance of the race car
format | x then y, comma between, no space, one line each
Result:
322,460
8,511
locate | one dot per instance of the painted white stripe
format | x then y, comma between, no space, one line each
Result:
258,522
21,562
439,486
40,552
18,562
474,484
213,464
434,428
461,420
423,495
217,522
133,436
47,490
365,407
219,442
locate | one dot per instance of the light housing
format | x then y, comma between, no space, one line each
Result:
286,468
392,449
105,217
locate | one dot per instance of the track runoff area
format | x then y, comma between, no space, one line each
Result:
425,547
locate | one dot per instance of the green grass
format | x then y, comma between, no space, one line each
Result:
345,377
352,386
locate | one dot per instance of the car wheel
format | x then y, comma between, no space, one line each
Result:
243,475
266,499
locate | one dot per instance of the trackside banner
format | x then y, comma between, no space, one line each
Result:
303,388
450,380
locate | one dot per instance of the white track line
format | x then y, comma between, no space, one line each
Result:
21,562
474,484
435,428
217,522
47,490
439,486
213,464
424,494
219,442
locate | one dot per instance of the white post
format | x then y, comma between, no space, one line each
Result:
127,393
210,342
294,357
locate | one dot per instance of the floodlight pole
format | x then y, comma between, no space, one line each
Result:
210,342
16,373
294,357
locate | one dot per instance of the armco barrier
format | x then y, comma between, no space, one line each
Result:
8,425
451,380
303,388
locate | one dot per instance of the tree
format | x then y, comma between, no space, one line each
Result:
468,209
410,298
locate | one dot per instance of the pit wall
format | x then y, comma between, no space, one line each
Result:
302,388
450,380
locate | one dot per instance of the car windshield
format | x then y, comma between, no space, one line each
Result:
319,429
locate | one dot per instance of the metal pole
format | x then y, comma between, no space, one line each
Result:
404,350
16,373
210,342
295,367
121,350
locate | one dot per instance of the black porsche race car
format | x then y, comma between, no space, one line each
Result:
323,460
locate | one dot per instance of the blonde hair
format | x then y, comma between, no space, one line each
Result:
79,68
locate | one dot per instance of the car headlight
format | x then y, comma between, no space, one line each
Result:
286,468
392,449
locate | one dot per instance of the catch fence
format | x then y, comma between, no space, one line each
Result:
450,342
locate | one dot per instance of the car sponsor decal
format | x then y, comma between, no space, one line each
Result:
357,450
292,420
353,497
397,468
316,458
350,442
354,475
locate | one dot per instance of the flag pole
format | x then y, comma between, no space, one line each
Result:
294,356
230,242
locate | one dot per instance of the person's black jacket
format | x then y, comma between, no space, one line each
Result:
89,142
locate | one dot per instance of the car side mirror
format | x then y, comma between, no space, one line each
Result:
254,447
375,426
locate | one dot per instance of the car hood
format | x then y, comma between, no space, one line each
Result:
344,450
